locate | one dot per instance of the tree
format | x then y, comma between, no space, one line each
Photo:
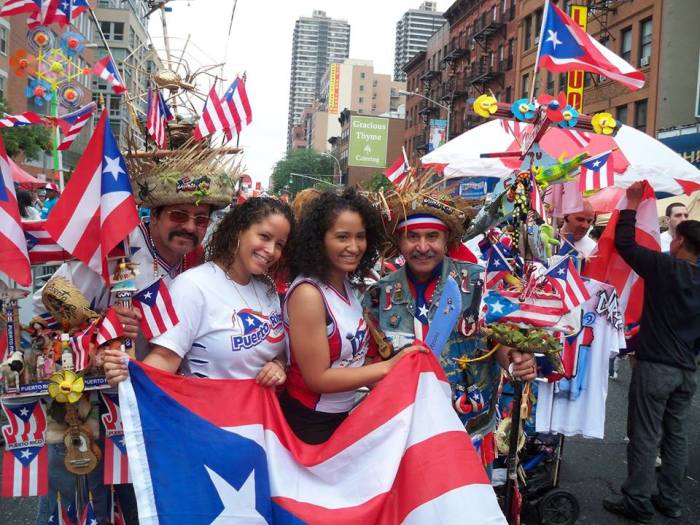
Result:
377,182
30,140
298,169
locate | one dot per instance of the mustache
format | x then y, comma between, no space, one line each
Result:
425,255
183,233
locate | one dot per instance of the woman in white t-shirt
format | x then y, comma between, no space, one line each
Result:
230,320
336,247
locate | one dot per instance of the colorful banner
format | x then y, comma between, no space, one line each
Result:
438,134
575,79
333,89
369,137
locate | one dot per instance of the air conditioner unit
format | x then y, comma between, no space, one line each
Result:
644,61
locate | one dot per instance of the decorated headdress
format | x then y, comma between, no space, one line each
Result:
189,172
422,201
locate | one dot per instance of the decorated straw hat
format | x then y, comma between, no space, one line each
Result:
421,201
190,172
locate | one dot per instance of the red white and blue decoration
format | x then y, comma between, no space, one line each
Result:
157,310
157,118
25,461
402,456
107,70
597,172
23,119
71,124
566,280
116,465
97,209
398,171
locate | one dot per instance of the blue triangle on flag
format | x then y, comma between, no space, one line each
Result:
557,40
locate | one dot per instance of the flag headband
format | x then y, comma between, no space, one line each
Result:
422,221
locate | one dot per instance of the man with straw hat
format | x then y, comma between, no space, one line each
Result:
424,224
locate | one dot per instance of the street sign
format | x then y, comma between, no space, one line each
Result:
368,141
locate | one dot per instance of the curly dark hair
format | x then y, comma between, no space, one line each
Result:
309,256
221,248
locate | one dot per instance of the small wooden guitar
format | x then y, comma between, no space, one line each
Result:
82,453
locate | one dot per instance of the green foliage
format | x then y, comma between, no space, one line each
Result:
377,182
302,162
30,140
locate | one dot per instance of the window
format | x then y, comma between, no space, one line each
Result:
511,51
509,94
563,81
523,88
2,86
361,100
626,44
527,33
550,83
362,75
640,115
538,24
645,42
113,30
3,40
362,87
504,6
622,114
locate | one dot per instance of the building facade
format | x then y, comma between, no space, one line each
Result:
413,31
318,41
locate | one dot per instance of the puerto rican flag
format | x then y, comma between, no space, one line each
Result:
106,69
25,461
97,209
17,7
402,456
497,266
597,172
61,12
42,249
566,280
23,119
88,517
110,327
157,118
398,171
14,260
564,47
538,310
71,124
116,465
212,118
236,107
80,347
62,515
157,310
606,265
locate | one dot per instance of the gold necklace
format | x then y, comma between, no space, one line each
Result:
238,291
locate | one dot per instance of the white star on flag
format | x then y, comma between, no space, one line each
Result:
497,307
147,295
113,167
24,412
553,39
239,505
250,321
26,454
423,311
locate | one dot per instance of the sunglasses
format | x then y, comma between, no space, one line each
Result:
182,217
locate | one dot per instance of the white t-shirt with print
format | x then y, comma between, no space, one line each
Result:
226,330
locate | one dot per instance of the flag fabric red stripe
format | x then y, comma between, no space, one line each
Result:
156,307
16,7
398,171
212,118
109,328
23,119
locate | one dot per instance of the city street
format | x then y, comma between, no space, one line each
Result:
591,468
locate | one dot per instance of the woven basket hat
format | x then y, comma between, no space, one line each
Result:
190,173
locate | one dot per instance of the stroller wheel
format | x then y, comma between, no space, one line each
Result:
558,507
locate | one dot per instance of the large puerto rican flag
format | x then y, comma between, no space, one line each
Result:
564,46
401,457
97,210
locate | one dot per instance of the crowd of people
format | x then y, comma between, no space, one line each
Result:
321,345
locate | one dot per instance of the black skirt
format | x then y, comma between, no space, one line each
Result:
310,426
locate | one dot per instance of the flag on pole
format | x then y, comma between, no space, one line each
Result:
157,310
158,117
497,266
398,171
402,456
97,209
106,69
566,280
61,12
116,465
597,172
25,461
72,123
88,517
110,327
80,347
61,515
14,260
23,119
212,119
564,46
236,108
536,310
17,7
606,265
536,202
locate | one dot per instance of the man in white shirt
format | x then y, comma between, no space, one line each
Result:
576,226
676,213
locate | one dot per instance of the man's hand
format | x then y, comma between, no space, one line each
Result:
635,193
523,365
130,320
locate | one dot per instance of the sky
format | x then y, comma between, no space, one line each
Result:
261,45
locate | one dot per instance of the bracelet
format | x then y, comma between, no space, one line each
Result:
279,363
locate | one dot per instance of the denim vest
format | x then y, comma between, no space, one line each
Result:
395,317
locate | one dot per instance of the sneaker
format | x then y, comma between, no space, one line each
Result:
618,505
665,509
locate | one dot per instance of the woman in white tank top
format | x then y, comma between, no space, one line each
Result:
328,338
